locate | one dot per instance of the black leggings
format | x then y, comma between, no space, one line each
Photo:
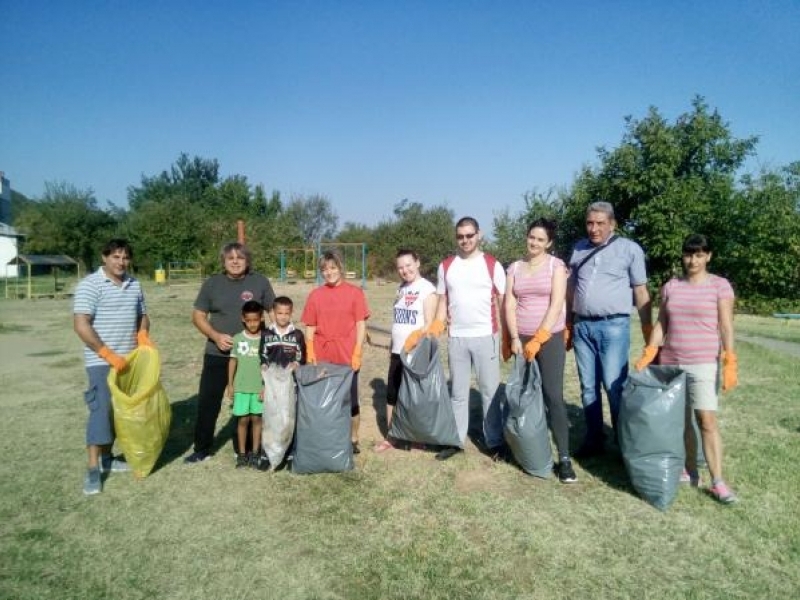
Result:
550,359
213,380
393,379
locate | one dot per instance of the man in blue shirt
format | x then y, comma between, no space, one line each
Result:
607,275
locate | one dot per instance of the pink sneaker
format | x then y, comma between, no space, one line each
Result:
693,480
722,493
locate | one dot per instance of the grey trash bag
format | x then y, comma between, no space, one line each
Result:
322,440
424,411
651,422
280,408
525,426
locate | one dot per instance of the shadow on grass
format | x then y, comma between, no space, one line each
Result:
378,386
608,467
181,431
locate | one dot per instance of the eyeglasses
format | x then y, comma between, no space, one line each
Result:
465,236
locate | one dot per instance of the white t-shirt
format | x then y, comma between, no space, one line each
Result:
470,302
408,310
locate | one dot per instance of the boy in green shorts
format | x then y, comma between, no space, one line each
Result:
245,385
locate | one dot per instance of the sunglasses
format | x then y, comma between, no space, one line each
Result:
465,236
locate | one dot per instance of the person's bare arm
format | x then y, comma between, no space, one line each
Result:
510,310
143,323
725,310
82,324
361,332
232,363
441,308
200,320
641,298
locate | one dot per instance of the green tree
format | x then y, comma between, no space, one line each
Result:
313,217
760,251
429,232
510,229
66,220
665,181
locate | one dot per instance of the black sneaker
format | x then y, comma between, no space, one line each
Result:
242,460
196,457
566,474
262,463
356,449
448,452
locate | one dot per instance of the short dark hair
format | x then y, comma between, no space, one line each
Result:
283,301
406,252
468,221
252,306
549,225
695,242
115,244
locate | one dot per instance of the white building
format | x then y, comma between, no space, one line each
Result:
9,238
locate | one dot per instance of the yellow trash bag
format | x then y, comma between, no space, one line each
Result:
142,412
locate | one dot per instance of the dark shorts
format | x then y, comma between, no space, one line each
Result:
100,424
393,379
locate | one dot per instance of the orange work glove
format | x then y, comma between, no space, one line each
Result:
436,328
568,337
535,343
646,331
311,358
115,360
413,339
355,361
730,371
143,338
648,355
505,346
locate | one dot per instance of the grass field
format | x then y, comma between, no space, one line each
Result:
400,526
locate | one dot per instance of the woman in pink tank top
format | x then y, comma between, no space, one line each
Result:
535,313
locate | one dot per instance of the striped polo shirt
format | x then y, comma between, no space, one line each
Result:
532,292
693,320
114,310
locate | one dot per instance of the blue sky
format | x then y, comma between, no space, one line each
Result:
468,104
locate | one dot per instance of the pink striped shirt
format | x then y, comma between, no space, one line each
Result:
693,320
532,292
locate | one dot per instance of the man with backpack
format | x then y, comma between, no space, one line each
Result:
607,276
470,298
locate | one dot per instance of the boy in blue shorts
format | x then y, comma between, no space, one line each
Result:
245,384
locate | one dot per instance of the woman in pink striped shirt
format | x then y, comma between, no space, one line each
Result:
535,314
695,322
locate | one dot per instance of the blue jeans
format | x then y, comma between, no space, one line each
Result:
601,353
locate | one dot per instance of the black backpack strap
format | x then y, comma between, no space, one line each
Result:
595,251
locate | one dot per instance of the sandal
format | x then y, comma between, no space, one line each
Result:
384,446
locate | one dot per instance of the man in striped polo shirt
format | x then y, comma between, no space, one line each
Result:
110,318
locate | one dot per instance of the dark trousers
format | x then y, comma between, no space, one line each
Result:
550,359
213,380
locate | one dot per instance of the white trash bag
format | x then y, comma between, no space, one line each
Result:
280,408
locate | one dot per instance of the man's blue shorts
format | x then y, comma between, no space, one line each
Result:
100,424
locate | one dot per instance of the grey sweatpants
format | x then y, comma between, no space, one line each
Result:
480,353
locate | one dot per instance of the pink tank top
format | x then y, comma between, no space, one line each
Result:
533,296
